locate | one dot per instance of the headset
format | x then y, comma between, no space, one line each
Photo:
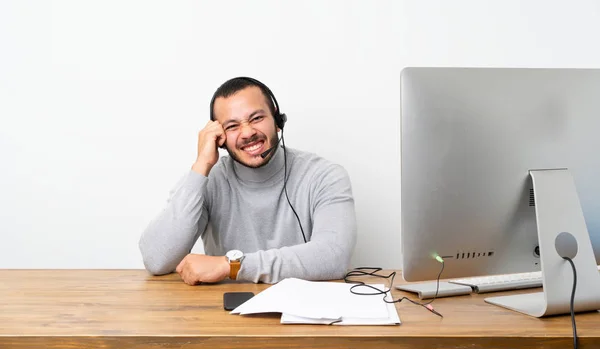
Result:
280,120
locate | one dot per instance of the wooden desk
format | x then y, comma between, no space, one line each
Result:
130,309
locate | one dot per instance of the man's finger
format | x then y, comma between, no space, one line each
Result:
189,277
221,139
183,275
180,265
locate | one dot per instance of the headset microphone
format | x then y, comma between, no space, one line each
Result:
268,151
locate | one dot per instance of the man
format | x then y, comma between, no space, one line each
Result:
254,225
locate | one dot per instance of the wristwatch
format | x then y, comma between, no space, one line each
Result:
234,257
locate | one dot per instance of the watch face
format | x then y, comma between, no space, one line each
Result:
234,255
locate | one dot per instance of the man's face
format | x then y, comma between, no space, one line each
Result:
249,126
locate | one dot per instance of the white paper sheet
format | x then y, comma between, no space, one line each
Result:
302,301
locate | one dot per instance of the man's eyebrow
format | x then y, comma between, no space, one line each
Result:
259,111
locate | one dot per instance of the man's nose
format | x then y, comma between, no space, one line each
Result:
247,130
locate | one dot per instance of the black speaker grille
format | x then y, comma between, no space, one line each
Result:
473,255
531,198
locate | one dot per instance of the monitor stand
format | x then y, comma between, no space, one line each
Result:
557,211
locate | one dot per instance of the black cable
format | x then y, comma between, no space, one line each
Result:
573,302
285,185
360,272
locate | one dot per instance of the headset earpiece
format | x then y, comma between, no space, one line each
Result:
280,120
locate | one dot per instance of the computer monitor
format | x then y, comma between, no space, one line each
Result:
495,164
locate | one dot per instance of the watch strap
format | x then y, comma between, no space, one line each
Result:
234,268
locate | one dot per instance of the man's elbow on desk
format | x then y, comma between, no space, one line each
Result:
338,269
156,264
332,264
157,269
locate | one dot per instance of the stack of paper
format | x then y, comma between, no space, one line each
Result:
309,302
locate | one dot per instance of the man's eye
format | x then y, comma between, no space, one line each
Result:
257,118
230,127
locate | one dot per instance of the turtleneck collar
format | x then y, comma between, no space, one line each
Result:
261,174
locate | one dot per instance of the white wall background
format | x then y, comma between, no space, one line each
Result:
101,101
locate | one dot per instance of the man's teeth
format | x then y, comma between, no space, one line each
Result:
253,147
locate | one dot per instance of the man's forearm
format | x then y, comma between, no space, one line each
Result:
173,233
310,261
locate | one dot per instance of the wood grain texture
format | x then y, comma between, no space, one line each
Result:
131,309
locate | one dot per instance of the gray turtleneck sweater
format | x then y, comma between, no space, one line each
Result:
243,208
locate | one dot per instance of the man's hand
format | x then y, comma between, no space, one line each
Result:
197,268
210,138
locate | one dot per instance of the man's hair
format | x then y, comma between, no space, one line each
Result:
232,86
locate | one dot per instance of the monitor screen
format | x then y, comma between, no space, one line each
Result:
470,137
